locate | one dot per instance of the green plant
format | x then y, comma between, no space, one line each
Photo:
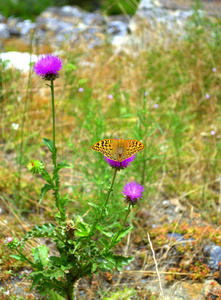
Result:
120,7
84,248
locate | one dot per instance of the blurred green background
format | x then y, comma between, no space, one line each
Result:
29,9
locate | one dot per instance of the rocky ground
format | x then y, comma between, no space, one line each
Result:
74,26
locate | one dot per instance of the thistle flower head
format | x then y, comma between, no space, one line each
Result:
12,243
35,166
9,239
133,192
48,66
120,165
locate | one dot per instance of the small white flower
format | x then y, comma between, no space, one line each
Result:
15,126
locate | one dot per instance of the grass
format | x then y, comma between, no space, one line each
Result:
181,160
30,9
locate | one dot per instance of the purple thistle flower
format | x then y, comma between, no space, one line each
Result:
9,239
48,66
120,165
133,192
207,96
81,90
214,69
156,105
110,97
212,132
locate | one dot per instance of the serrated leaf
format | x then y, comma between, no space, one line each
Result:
44,230
18,257
36,279
121,261
104,265
46,176
61,166
44,190
100,228
43,254
56,272
81,230
117,261
49,144
123,233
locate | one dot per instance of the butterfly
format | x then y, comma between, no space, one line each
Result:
118,150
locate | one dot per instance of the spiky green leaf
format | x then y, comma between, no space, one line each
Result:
49,144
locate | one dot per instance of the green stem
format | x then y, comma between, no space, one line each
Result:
30,262
105,204
111,188
53,116
70,294
121,228
54,157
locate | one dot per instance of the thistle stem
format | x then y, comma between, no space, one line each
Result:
111,187
121,228
53,116
105,204
54,157
31,263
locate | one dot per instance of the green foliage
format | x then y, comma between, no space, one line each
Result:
45,230
29,9
79,255
120,7
26,9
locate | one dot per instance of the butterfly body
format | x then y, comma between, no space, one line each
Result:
118,150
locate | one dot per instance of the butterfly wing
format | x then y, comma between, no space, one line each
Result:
107,147
132,147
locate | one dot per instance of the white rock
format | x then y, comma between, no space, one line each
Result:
18,60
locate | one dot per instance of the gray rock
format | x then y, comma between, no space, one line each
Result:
24,27
2,19
117,28
214,253
71,11
147,4
4,31
12,24
93,19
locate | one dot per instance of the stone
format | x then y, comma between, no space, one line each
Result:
71,11
213,252
24,27
4,31
117,28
